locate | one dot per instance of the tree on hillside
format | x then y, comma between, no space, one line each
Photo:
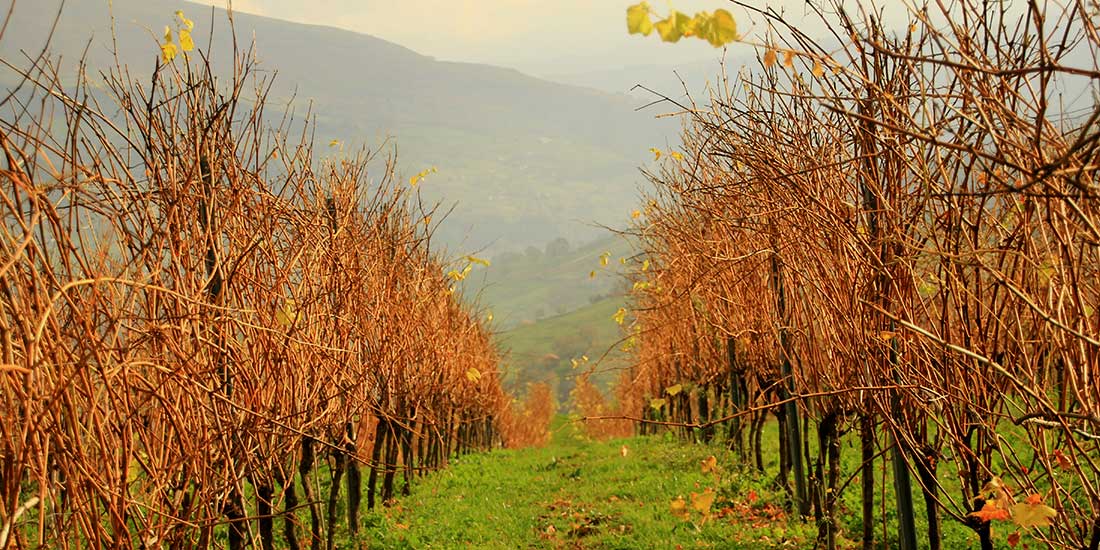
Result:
557,248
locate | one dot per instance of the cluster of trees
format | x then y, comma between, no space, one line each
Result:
896,236
199,318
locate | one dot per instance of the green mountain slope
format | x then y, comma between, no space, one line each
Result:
514,152
521,288
543,351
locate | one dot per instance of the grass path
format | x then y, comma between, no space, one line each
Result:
576,493
639,493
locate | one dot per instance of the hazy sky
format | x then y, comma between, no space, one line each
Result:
542,37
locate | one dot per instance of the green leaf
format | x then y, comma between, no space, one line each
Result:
637,19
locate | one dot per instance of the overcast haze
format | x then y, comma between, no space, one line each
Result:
536,36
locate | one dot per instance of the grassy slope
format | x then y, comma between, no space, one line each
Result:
519,289
587,331
545,305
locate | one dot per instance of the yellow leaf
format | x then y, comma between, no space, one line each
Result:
186,44
788,59
288,315
674,390
678,507
584,358
476,260
456,275
636,214
489,316
721,29
656,404
334,143
656,153
473,375
710,464
167,35
620,316
674,26
168,52
190,25
676,155
622,261
421,175
624,451
1027,514
645,266
637,19
818,70
701,502
769,58
629,344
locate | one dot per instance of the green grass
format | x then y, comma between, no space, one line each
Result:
577,493
581,494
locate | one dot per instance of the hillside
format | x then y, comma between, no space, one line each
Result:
540,282
543,351
515,153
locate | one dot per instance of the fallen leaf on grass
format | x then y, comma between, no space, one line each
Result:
710,465
701,502
678,507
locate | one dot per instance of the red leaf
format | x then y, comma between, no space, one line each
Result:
1063,460
1013,539
991,512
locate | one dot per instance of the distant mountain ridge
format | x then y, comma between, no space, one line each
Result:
525,159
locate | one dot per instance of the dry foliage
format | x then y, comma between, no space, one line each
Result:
194,307
906,244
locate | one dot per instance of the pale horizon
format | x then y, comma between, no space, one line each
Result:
546,40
